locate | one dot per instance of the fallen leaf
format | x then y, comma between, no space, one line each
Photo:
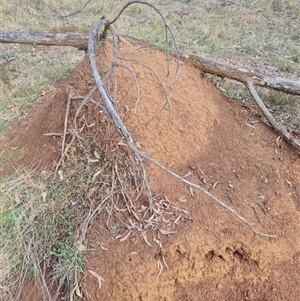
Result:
146,240
81,248
182,200
215,184
96,154
159,267
191,191
164,260
180,209
165,232
125,237
61,176
288,182
99,278
78,292
102,247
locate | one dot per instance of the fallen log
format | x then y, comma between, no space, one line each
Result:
45,38
244,76
80,41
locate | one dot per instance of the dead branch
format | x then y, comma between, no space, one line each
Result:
249,79
108,103
277,127
45,38
243,76
68,15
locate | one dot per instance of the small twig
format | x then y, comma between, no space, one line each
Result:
69,15
65,148
82,104
261,207
254,209
53,134
145,181
113,185
89,219
155,74
136,85
64,134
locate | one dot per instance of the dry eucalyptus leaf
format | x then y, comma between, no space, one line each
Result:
165,232
81,248
182,199
78,292
191,191
146,240
159,267
99,278
61,176
17,199
44,195
125,237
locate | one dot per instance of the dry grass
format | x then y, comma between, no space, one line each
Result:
45,217
39,222
261,35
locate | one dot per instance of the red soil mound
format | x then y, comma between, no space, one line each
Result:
219,144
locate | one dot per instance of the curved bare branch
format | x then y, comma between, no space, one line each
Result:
277,127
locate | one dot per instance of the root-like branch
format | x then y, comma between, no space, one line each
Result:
136,85
155,74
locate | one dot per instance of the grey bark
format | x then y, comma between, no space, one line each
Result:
45,38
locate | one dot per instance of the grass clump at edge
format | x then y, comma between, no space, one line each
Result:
42,220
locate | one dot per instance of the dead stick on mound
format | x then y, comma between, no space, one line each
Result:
117,121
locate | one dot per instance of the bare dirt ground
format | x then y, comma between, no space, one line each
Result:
215,142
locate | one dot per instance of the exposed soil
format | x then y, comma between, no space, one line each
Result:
217,143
